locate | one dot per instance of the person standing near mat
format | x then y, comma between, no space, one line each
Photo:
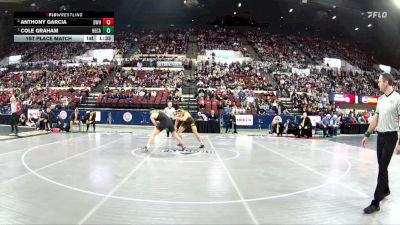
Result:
185,121
161,122
171,113
15,108
386,122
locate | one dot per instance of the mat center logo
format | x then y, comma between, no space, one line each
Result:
127,117
186,151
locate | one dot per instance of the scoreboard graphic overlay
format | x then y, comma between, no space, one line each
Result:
63,27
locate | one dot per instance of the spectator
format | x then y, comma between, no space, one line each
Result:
212,116
329,124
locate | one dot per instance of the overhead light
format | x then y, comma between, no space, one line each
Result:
192,20
369,25
334,6
356,28
334,17
290,10
397,3
234,13
281,17
184,2
239,4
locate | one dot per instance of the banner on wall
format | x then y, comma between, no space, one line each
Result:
169,64
34,113
102,54
14,59
337,63
385,68
364,99
342,98
244,120
224,56
305,72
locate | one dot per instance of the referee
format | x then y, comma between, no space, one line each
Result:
171,113
386,122
14,115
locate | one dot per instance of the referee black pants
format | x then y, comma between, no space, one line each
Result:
14,123
385,148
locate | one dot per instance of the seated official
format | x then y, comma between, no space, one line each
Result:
292,128
75,119
277,125
43,120
305,127
90,119
53,119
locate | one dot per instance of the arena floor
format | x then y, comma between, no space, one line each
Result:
104,178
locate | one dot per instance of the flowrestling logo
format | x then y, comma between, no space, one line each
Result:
379,15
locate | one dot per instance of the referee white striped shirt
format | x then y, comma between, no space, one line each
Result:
170,112
388,109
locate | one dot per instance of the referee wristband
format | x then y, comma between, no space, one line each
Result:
367,134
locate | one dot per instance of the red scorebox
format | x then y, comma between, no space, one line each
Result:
108,21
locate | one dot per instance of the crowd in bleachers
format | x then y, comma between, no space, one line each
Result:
62,51
35,98
234,75
274,48
138,98
317,49
156,79
126,40
241,87
237,101
21,80
174,42
27,50
34,87
328,81
232,87
84,76
219,39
